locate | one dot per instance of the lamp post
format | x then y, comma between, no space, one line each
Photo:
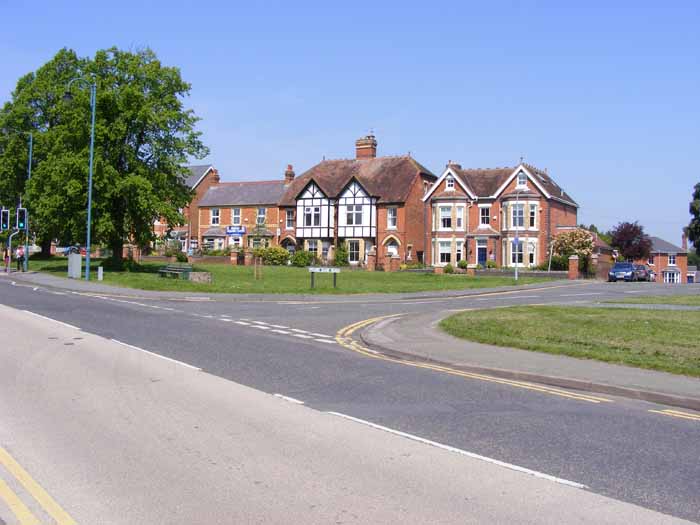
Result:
26,223
516,242
83,82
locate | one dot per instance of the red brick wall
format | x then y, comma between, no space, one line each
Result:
661,263
249,215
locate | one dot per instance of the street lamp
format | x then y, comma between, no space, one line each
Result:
516,242
26,224
85,83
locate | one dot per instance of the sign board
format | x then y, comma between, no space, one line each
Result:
322,269
235,230
75,263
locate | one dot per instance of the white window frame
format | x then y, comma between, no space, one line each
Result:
650,260
484,216
236,216
441,252
521,180
532,217
459,216
353,255
449,183
313,245
671,260
392,218
262,216
672,278
214,218
518,212
459,251
353,212
442,218
314,215
517,253
289,220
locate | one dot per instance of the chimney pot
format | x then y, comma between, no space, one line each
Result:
289,174
366,147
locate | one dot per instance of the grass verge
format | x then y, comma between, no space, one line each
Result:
282,279
654,339
681,300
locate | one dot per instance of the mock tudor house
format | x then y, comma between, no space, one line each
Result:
243,214
669,262
372,205
199,179
503,216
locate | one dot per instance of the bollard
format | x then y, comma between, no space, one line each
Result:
100,273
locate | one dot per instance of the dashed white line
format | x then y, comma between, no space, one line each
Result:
227,320
52,320
260,327
157,355
278,331
244,323
580,294
302,336
328,341
279,326
320,335
297,330
462,452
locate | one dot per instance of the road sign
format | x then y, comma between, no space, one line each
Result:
323,269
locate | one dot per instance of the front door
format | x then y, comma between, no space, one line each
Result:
481,252
353,252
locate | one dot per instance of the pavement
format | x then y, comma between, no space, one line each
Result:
97,432
418,336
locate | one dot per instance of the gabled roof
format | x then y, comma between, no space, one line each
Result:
490,182
387,178
658,245
196,175
248,193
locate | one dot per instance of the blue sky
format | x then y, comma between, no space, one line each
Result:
605,97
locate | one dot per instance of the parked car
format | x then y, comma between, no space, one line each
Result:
642,272
622,271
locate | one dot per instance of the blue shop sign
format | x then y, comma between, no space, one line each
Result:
235,230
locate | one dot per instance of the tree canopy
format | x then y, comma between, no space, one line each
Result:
143,137
631,241
694,226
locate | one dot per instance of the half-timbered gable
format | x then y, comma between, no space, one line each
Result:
357,212
315,214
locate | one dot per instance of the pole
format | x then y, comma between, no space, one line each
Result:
93,96
517,208
26,224
9,242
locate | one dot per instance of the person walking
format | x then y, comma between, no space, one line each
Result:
20,258
6,259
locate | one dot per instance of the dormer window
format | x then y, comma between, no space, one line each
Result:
449,183
522,179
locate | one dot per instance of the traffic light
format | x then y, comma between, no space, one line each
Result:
4,220
21,218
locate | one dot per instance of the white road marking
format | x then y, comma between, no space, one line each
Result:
299,331
635,291
320,335
302,336
463,452
227,320
278,331
244,323
224,315
157,355
279,326
35,288
52,320
580,294
290,399
329,341
260,322
260,327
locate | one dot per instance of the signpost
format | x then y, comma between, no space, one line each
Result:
313,270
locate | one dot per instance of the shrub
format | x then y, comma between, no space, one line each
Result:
303,258
415,266
181,257
341,255
491,264
275,255
462,264
559,263
449,268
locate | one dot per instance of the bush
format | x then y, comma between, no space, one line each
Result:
275,255
303,258
181,257
559,263
449,268
414,266
341,256
462,264
491,264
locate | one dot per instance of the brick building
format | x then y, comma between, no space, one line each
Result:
243,214
370,204
200,179
669,262
503,216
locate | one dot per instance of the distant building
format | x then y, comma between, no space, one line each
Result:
669,262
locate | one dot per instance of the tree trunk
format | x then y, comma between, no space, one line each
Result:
116,244
46,248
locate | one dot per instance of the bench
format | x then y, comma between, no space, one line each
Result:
176,270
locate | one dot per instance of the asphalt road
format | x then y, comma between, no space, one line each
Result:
277,345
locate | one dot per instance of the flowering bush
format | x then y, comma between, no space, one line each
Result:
574,242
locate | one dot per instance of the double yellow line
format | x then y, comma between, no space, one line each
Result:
678,414
344,338
20,510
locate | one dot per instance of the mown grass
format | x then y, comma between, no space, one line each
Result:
681,300
280,279
655,339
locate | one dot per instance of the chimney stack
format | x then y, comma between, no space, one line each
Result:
452,164
289,174
366,147
215,176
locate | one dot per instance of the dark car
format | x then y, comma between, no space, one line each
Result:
642,272
622,272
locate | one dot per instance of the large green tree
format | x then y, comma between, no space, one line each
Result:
694,226
143,137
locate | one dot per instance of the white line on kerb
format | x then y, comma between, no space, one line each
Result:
157,355
53,320
463,452
290,399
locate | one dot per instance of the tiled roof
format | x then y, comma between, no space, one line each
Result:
484,182
214,232
658,245
692,269
196,173
244,193
388,178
